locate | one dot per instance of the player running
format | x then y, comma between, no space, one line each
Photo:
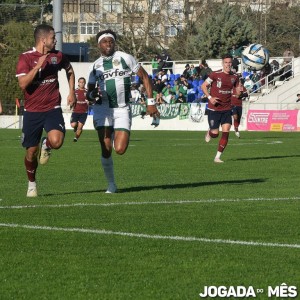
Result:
37,73
221,85
80,109
109,88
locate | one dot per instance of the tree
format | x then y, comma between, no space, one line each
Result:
219,30
15,38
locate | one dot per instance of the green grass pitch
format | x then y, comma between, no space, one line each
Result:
179,222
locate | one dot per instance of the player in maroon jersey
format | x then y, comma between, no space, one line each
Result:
239,94
37,73
80,109
221,84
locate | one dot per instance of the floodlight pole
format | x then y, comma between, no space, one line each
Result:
57,22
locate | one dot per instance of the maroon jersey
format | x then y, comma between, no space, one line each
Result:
43,92
81,105
235,99
222,85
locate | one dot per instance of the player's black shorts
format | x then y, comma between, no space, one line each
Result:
217,118
35,122
237,110
78,117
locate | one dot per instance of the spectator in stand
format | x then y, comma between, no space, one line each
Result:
157,89
248,84
162,75
192,72
155,65
134,93
288,55
239,94
235,52
168,95
186,71
205,71
167,62
179,88
221,84
298,98
255,77
181,98
80,109
184,82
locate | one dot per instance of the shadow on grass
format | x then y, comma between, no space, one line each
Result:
166,187
265,157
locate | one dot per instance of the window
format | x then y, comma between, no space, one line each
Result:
112,6
116,27
70,28
155,30
172,30
89,6
155,7
70,6
89,28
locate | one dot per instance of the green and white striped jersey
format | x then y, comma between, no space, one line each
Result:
113,76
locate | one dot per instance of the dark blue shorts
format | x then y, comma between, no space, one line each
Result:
35,122
237,110
78,117
217,118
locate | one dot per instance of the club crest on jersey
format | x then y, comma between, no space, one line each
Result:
232,80
219,82
54,60
116,62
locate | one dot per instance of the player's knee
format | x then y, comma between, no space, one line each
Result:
120,149
214,135
56,143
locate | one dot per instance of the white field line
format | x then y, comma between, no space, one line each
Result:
149,236
146,203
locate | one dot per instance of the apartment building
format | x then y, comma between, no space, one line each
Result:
159,19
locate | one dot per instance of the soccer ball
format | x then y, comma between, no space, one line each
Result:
255,56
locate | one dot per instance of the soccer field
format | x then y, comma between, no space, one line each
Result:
179,223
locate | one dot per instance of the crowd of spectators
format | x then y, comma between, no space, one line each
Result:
172,88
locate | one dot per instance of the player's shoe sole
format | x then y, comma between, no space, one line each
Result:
32,192
44,154
112,188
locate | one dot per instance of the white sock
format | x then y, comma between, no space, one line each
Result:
44,144
108,167
31,184
218,154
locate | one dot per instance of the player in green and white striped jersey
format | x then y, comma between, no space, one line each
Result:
109,88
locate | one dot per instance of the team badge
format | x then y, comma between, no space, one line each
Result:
116,62
54,60
232,80
219,82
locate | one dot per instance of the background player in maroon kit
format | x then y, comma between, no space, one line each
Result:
80,109
221,85
37,73
239,94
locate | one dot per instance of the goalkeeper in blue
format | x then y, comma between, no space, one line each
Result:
109,83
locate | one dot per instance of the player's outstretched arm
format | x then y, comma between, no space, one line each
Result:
151,107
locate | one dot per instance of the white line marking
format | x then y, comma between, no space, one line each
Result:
147,203
149,236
